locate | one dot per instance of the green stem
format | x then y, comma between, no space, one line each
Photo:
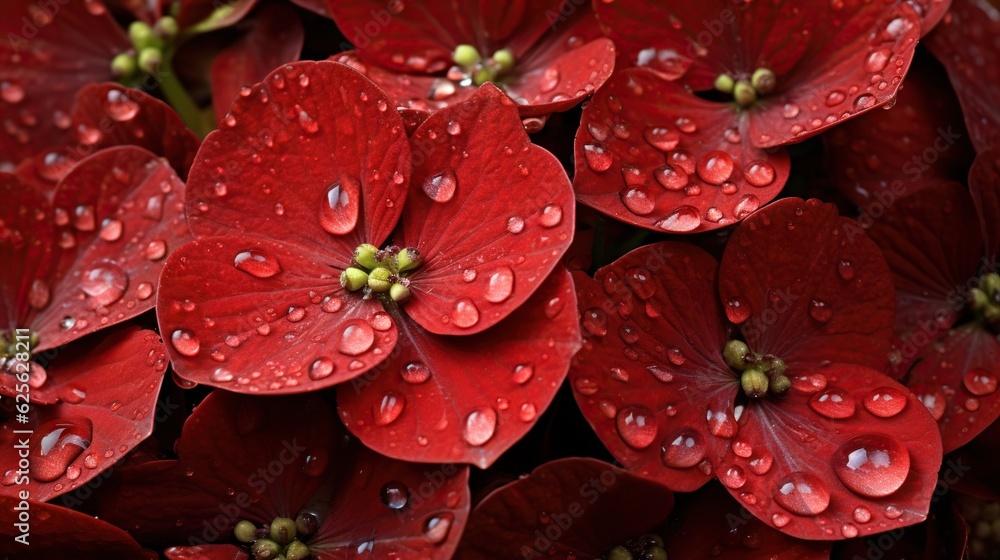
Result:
180,100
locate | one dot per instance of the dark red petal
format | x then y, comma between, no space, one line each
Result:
575,506
57,533
808,286
207,552
984,182
191,12
957,382
313,156
467,399
117,214
651,364
650,153
249,314
931,12
316,6
275,39
27,247
965,43
932,243
944,536
107,392
479,267
713,525
50,50
883,155
308,464
848,450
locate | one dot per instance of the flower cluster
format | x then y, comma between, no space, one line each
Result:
563,279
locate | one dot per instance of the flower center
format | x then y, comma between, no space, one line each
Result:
985,300
759,374
646,547
381,273
471,68
280,538
746,91
16,347
149,43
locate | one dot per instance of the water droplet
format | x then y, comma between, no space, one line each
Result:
111,229
11,92
38,294
834,402
780,519
465,314
834,98
55,445
441,187
733,477
119,106
515,224
185,342
885,402
436,529
551,216
527,412
522,373
309,125
316,461
762,464
746,206
759,173
864,101
339,212
549,79
636,426
670,177
83,218
221,375
683,450
737,310
500,285
479,426
388,408
871,465
638,201
715,167
255,263
394,495
357,338
661,138
862,514
877,60
980,382
321,368
721,424
802,493
104,284
820,311
415,372
683,219
845,269
597,156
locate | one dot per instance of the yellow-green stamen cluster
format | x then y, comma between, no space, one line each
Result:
381,272
646,547
149,42
471,65
746,91
985,299
760,375
277,541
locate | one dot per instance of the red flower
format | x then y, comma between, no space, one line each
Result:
57,533
792,419
652,153
942,244
546,55
585,508
297,191
268,463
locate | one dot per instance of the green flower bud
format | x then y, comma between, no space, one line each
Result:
245,531
619,553
991,283
297,551
408,259
306,524
978,298
142,36
780,385
123,65
149,59
754,382
763,80
265,549
379,281
655,553
481,76
365,255
282,530
167,27
399,293
725,83
466,56
744,93
504,59
777,367
353,279
735,353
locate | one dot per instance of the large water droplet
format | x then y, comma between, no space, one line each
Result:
394,495
871,465
670,177
802,493
661,138
500,285
255,263
683,219
185,342
980,382
437,527
636,426
441,187
465,314
339,212
737,310
388,408
551,216
415,372
759,173
104,284
119,106
820,311
733,477
721,424
55,445
683,450
321,368
597,156
479,426
885,402
715,167
111,229
357,338
834,402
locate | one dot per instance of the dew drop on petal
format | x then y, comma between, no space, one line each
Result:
885,402
802,493
636,426
833,402
737,310
551,216
55,445
515,224
715,167
394,495
522,373
415,372
499,286
759,173
258,264
683,450
339,210
185,342
479,427
388,408
357,338
104,284
979,382
871,465
597,156
820,311
683,219
441,187
119,106
465,314
437,527
321,368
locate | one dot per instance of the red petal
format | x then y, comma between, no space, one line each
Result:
51,51
964,43
478,268
304,334
984,181
316,6
313,466
117,215
193,12
275,39
57,533
207,552
652,363
932,243
107,393
884,155
26,238
575,506
467,399
560,72
834,471
808,286
712,525
944,536
650,153
325,172
957,381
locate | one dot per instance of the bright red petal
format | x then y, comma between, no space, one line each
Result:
650,153
651,364
305,333
50,50
469,398
275,39
965,43
808,286
107,392
57,533
570,508
984,182
314,156
479,267
932,243
957,382
117,215
846,451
